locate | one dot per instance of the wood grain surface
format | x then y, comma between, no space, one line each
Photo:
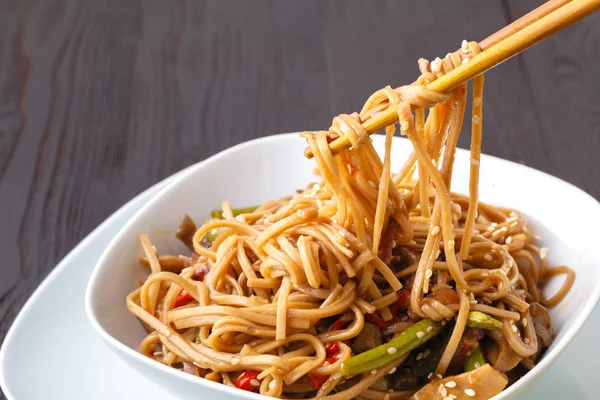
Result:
101,99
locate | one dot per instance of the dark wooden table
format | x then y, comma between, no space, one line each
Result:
101,99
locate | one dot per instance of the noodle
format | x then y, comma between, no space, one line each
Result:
278,299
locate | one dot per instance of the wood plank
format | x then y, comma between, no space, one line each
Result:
564,86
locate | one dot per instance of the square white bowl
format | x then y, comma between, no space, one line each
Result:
273,167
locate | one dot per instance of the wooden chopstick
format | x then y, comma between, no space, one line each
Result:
540,23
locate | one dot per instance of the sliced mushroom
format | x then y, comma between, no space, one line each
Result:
369,337
186,231
500,354
542,323
480,384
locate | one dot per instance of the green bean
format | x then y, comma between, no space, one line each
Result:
212,235
475,360
382,355
433,354
481,320
218,214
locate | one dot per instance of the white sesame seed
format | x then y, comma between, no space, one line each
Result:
349,168
464,45
474,161
393,370
488,257
430,375
514,328
394,244
157,353
420,334
426,353
450,384
476,120
465,60
372,184
450,243
524,322
428,273
504,229
435,230
526,340
429,328
470,392
392,350
477,101
543,252
235,361
373,371
509,240
255,382
442,390
476,365
419,356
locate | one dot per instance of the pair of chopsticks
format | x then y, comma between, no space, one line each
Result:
523,33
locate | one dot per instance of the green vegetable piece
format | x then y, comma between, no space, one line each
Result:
218,214
212,235
384,354
475,360
433,354
481,320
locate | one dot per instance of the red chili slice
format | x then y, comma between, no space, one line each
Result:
248,381
339,324
465,349
375,320
317,380
182,299
402,296
332,349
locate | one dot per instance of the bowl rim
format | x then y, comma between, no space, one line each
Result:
123,350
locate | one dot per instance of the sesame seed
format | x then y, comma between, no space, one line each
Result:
465,60
488,257
373,371
524,322
514,328
543,252
426,353
428,273
474,161
526,340
392,371
419,356
420,334
476,120
429,329
392,350
157,353
326,364
470,392
435,230
450,384
235,361
430,375
464,45
476,365
442,390
349,168
504,229
477,101
393,244
509,240
255,382
450,243
372,184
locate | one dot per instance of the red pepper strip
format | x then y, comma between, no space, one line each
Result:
317,380
338,325
402,296
375,320
330,360
332,349
465,349
244,381
200,273
182,299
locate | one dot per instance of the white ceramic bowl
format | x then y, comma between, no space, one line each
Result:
273,167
